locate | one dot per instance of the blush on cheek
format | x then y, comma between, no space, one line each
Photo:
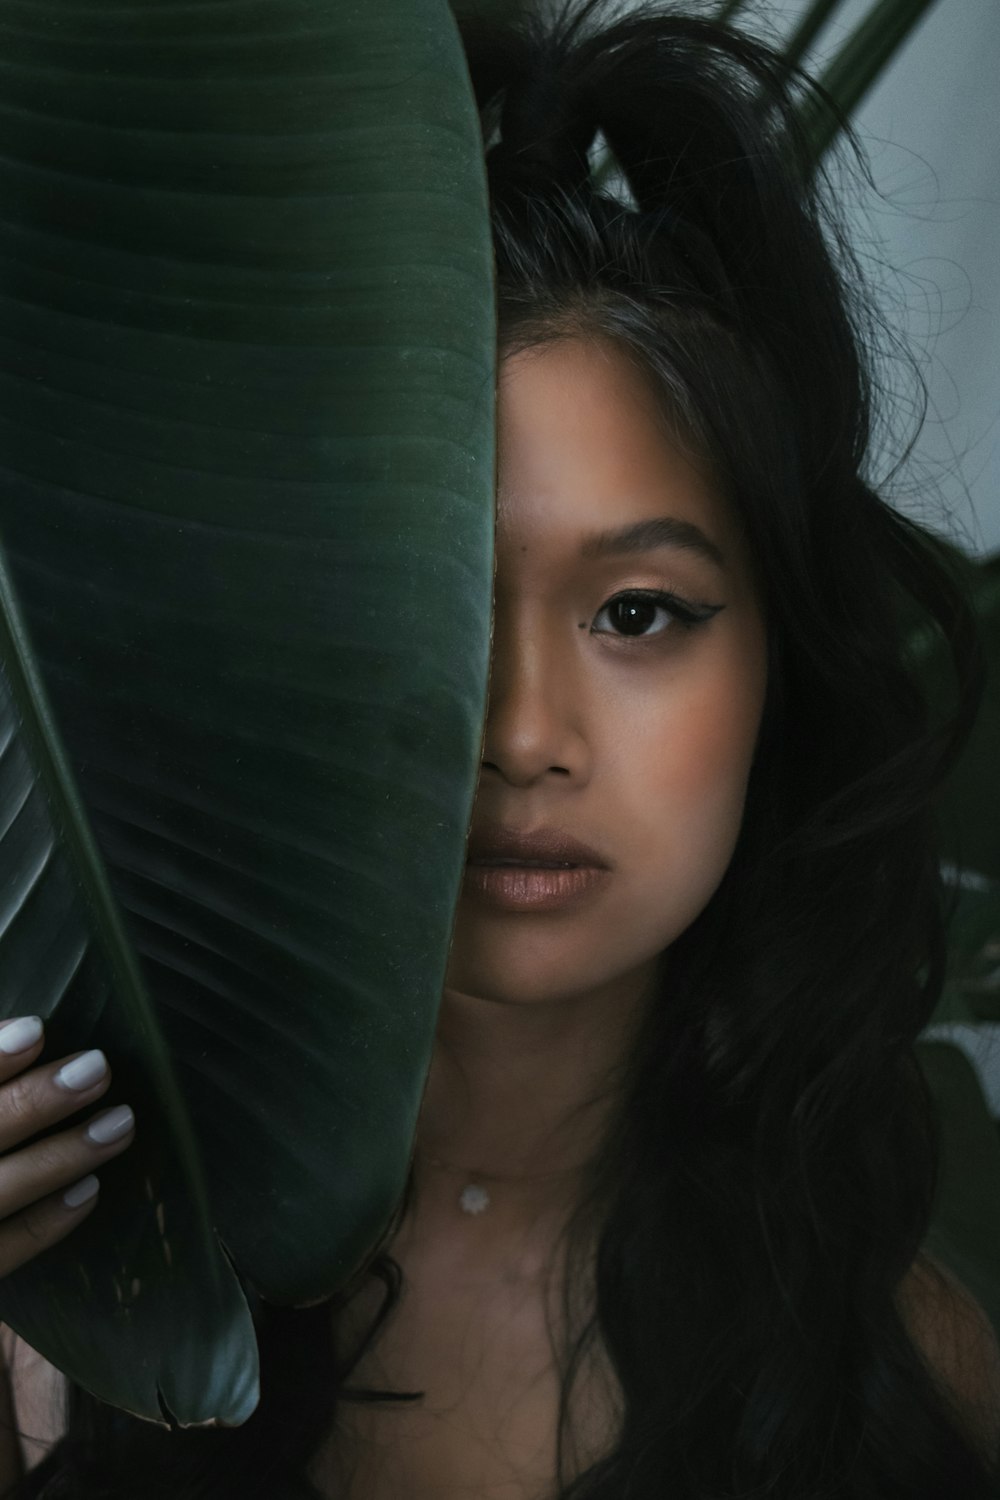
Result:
707,733
695,790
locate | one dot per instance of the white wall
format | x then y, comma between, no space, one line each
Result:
931,127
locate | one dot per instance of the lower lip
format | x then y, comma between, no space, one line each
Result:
530,887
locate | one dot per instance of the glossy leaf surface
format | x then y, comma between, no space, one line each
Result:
64,949
246,478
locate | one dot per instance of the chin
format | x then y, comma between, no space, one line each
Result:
518,978
541,960
504,987
524,973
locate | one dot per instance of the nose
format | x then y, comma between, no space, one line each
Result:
534,719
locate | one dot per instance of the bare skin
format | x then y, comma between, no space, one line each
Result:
640,745
36,1176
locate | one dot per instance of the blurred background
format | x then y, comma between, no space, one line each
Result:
930,240
927,231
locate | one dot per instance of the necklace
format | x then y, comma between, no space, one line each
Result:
474,1197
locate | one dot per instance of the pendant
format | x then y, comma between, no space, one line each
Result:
474,1199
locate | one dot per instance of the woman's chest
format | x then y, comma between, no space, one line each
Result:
486,1428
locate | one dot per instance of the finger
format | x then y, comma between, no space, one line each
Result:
45,1223
38,1098
62,1159
21,1041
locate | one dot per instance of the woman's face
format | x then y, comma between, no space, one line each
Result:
617,719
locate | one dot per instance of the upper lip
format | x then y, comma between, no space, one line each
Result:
499,841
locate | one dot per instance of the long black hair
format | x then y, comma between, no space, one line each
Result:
768,1180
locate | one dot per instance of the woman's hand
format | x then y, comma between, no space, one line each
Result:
47,1188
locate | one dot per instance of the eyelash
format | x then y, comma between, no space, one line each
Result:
684,614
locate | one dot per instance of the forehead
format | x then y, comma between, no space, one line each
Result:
583,448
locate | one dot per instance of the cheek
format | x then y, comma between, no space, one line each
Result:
685,768
671,756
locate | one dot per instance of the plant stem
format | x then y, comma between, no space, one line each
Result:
729,9
859,62
807,30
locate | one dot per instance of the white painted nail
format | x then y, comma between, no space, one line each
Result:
81,1192
19,1035
83,1072
110,1126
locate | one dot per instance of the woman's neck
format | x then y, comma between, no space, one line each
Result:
517,1102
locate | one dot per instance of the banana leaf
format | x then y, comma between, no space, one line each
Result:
965,1226
246,484
964,1230
968,807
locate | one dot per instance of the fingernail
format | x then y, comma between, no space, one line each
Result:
83,1072
81,1192
19,1035
110,1126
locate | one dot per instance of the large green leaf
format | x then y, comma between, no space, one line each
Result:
246,474
971,804
64,948
970,811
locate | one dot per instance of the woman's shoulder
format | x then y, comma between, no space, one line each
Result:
945,1320
959,1344
32,1398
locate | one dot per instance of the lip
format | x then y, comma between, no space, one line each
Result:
499,843
532,888
540,870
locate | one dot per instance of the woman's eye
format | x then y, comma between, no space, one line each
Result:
647,613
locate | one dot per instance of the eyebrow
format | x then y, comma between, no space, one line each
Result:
645,536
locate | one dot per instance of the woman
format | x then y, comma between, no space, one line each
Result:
676,1158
